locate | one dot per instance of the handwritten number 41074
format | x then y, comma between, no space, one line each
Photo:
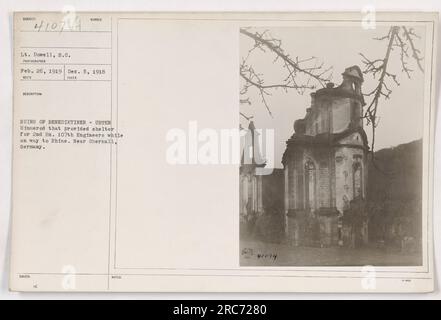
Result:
71,24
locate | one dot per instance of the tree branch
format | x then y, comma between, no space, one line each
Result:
301,74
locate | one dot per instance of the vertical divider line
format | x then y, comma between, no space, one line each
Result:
111,145
116,147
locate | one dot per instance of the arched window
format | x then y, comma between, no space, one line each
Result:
358,180
310,181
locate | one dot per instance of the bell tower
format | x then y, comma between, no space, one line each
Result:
352,81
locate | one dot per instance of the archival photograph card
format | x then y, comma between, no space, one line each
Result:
223,152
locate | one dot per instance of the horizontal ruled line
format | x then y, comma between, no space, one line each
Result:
65,31
67,64
63,80
223,275
104,48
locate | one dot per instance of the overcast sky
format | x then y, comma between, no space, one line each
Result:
401,117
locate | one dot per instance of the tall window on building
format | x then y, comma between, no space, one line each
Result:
355,114
358,179
244,194
310,181
286,188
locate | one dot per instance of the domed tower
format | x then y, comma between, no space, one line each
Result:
352,81
336,109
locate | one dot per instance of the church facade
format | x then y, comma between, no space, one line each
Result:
325,168
323,184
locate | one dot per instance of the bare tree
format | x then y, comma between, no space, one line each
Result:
308,73
402,39
297,74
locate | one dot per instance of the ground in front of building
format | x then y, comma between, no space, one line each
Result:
259,253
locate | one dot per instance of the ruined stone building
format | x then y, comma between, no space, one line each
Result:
324,175
261,190
250,180
325,170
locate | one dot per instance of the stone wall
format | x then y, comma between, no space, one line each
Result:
344,160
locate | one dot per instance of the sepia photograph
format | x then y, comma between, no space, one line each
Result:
223,152
331,155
